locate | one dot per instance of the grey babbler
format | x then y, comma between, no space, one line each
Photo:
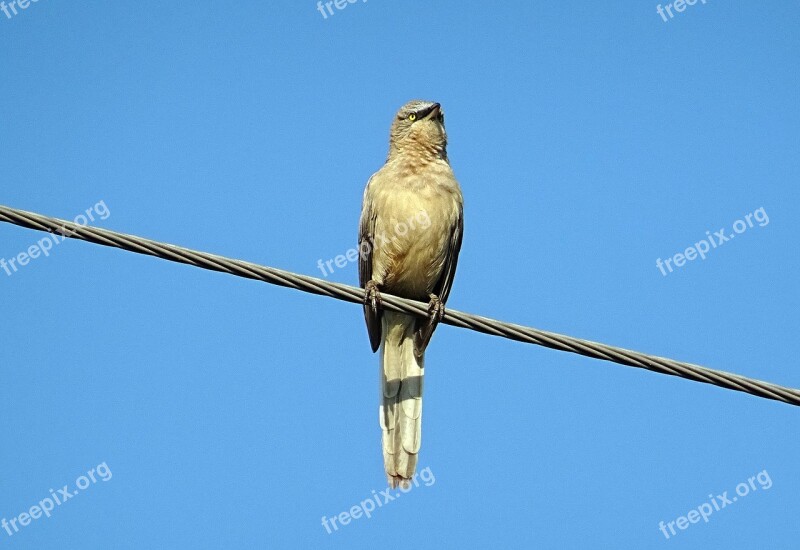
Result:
416,261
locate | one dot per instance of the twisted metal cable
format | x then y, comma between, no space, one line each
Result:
394,303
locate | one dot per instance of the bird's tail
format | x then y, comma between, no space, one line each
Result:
401,398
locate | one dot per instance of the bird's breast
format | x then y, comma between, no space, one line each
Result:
414,224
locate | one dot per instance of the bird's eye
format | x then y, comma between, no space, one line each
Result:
412,117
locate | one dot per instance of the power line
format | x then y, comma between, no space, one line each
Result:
452,317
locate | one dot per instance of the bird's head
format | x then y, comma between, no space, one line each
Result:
419,128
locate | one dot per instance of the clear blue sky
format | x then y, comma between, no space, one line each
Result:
590,139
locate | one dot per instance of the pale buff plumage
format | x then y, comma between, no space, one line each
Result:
418,263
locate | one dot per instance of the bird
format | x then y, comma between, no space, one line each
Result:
412,260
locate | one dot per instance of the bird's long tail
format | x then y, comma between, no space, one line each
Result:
401,398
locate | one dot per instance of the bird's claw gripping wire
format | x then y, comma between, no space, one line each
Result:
424,332
372,296
435,308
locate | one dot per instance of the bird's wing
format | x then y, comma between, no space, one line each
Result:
445,282
424,328
366,244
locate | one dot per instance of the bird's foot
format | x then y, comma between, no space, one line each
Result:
424,332
435,308
372,296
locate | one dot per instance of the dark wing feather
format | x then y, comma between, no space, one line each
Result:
445,282
366,243
424,327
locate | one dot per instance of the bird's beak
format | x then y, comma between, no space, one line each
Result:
434,112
